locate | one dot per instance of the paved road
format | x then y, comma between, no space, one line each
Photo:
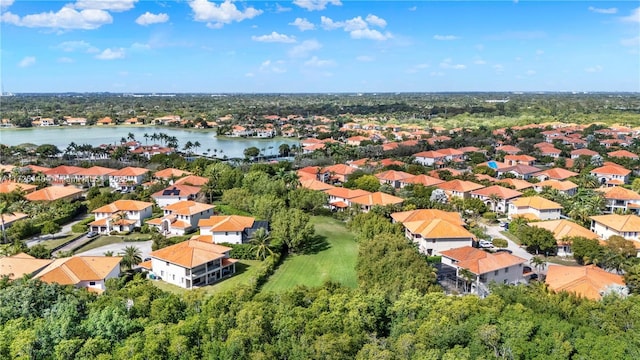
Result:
64,231
144,246
494,232
75,244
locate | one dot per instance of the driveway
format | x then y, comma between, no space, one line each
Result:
494,232
144,246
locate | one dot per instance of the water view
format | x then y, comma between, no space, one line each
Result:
61,137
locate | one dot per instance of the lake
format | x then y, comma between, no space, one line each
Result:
61,136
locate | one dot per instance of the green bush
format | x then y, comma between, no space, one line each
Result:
491,216
432,260
82,225
501,243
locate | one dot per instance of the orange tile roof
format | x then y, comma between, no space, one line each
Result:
95,171
619,193
519,184
182,190
18,265
623,154
53,193
459,186
339,169
388,162
170,172
557,173
191,253
508,149
192,180
63,170
438,229
479,261
123,205
557,184
36,168
313,184
227,223
428,214
393,175
377,198
584,281
346,193
187,207
9,186
72,270
536,202
522,158
564,228
145,265
424,180
500,191
611,170
620,223
431,154
130,171
586,152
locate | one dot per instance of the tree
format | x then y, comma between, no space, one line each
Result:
50,227
251,152
284,150
307,200
368,183
538,240
468,277
586,251
4,211
131,256
40,252
260,244
291,227
539,263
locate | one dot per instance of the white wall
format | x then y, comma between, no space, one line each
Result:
169,272
426,245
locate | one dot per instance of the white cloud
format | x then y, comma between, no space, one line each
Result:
249,74
149,18
632,42
109,5
66,18
79,45
531,72
414,8
329,24
302,24
281,9
357,23
6,3
479,61
448,64
140,46
312,5
27,61
445,37
376,21
365,58
593,69
274,37
634,17
316,62
436,73
217,16
111,54
65,60
275,67
603,11
370,34
415,69
304,48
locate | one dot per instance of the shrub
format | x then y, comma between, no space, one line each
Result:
501,243
82,225
491,216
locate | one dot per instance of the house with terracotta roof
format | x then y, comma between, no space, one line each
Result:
10,219
8,186
18,265
611,174
429,158
181,217
508,149
589,282
550,151
534,208
500,268
627,226
105,121
434,230
93,175
192,263
313,184
566,187
90,272
53,193
555,174
512,160
619,199
583,152
393,178
127,178
338,172
231,229
459,188
625,154
121,216
502,197
368,201
424,180
62,173
170,174
340,198
192,180
562,230
356,140
175,193
520,171
518,184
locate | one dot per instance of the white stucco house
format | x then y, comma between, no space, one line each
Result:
175,193
120,215
181,217
231,229
534,208
89,272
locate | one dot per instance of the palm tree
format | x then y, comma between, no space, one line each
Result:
468,276
196,145
4,210
131,256
146,138
108,253
260,244
495,199
539,263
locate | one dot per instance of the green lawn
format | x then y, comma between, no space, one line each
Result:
51,244
112,239
336,262
245,270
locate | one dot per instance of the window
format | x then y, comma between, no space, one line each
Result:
173,276
496,272
161,272
92,283
167,263
506,270
226,233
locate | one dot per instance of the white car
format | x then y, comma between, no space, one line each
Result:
485,244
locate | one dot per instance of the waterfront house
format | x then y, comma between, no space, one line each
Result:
127,178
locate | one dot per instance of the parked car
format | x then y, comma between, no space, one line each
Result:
92,234
505,250
485,244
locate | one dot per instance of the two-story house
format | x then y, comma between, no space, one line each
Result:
627,226
393,178
619,199
459,188
120,215
424,180
175,193
181,217
95,175
496,197
565,187
534,208
430,158
563,230
611,175
231,229
368,201
90,272
340,198
127,178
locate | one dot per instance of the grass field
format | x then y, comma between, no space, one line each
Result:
245,270
336,262
51,244
112,239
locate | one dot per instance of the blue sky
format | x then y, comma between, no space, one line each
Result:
318,46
